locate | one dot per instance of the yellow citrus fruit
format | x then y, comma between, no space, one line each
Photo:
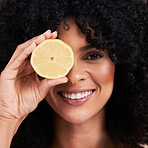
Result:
52,59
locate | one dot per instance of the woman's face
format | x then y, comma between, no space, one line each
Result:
90,81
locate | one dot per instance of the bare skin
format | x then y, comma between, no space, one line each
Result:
91,134
20,88
83,125
75,126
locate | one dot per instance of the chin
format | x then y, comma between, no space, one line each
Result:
77,117
75,120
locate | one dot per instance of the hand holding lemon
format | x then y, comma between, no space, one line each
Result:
24,89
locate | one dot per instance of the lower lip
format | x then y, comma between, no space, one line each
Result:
76,102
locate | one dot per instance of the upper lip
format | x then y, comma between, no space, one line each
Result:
76,91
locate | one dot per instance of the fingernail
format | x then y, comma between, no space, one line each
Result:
54,32
33,44
65,80
47,31
39,36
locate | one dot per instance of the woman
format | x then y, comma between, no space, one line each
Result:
109,40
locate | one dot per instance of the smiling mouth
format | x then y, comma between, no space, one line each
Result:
76,95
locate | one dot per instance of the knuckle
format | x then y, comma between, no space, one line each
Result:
19,47
4,74
20,61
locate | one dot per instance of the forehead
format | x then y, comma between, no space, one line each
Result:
70,33
68,27
71,25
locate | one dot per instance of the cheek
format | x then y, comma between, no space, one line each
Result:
103,76
105,79
102,73
106,73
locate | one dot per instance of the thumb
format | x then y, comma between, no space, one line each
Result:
46,84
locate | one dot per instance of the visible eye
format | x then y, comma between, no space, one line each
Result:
93,56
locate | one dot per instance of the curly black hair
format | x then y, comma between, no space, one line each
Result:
121,27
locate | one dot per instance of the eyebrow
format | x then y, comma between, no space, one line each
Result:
87,47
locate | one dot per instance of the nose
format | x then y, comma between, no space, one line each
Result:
77,73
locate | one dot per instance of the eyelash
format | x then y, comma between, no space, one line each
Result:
97,56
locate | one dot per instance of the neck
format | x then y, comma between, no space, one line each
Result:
91,133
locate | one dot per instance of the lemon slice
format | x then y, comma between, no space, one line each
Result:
52,59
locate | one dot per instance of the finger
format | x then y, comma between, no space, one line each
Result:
20,58
42,37
38,39
46,84
22,53
12,69
54,35
25,45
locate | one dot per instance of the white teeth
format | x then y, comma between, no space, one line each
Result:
82,94
86,93
76,95
73,96
65,95
69,96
